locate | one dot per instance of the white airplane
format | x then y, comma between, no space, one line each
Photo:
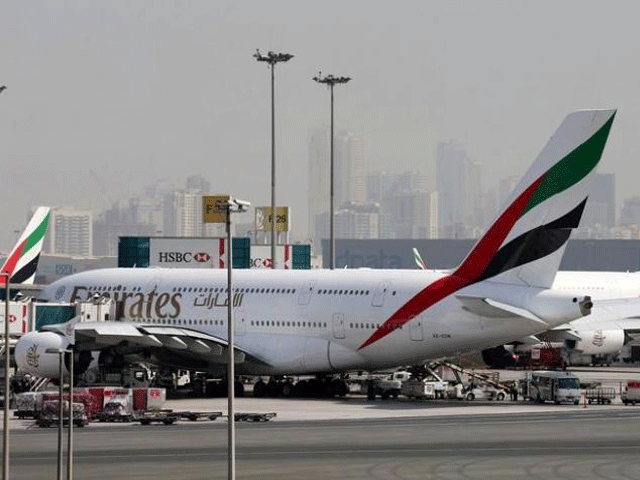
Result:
595,337
325,321
22,261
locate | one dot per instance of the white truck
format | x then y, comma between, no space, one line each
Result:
556,387
631,393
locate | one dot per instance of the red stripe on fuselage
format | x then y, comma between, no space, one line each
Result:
470,269
10,263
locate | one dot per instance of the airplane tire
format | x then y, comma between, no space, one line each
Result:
259,389
287,390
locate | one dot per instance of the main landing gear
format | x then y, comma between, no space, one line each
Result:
319,387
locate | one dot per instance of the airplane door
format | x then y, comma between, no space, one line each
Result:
305,293
338,325
415,329
379,293
239,322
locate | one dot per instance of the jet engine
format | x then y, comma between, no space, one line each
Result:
498,357
31,355
598,342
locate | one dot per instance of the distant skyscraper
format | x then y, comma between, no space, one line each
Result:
377,184
350,173
318,186
451,174
601,205
198,182
183,211
358,221
630,213
349,176
70,232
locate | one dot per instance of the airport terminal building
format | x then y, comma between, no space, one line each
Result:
590,255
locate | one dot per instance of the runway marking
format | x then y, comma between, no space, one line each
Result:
353,451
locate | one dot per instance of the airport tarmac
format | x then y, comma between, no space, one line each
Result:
354,438
597,443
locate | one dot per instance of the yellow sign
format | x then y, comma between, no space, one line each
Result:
264,218
214,208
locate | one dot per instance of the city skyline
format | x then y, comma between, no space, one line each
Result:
103,100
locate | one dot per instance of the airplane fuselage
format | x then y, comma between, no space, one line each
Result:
303,321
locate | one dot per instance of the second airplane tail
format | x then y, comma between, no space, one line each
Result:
22,262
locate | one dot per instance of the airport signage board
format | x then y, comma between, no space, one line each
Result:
288,257
184,252
261,256
214,208
264,219
18,318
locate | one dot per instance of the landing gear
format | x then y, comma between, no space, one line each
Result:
320,387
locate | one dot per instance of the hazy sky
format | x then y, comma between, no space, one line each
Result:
105,97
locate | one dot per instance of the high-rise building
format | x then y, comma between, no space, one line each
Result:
349,165
451,159
318,186
141,217
183,211
601,205
630,213
70,232
349,176
358,221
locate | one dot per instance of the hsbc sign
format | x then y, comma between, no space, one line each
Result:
183,257
183,252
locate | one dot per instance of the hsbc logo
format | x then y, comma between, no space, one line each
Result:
260,263
183,257
202,257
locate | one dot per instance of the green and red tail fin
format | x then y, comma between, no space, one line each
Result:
22,262
526,242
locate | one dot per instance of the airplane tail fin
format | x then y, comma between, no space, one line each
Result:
418,259
525,244
22,262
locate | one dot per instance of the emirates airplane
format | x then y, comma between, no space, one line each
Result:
326,321
595,338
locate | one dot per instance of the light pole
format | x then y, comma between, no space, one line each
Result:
272,58
60,352
70,430
7,365
233,206
330,81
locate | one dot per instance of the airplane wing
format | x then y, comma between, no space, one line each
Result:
133,338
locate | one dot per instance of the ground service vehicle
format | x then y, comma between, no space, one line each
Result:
556,387
384,387
115,412
418,388
631,393
50,414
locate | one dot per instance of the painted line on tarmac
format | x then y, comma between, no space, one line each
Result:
341,452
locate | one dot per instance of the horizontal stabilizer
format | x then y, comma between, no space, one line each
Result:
487,307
